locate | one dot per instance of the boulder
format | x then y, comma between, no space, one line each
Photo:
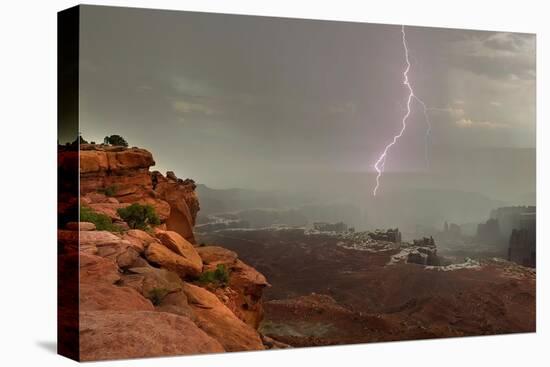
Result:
212,256
105,296
180,246
248,278
140,262
127,257
110,246
142,235
176,303
99,238
219,322
246,301
166,258
122,334
146,279
138,239
243,295
96,269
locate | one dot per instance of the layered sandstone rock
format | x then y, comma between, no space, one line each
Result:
120,334
176,303
124,172
146,279
98,291
212,256
124,169
135,295
247,300
243,295
180,246
138,239
162,256
183,200
104,296
96,269
219,322
109,245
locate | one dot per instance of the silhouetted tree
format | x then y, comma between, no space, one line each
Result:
115,140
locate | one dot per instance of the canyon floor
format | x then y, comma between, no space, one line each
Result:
329,290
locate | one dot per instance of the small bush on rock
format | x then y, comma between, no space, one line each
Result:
101,221
220,276
139,216
108,191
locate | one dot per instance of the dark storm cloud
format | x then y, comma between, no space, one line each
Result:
251,101
497,55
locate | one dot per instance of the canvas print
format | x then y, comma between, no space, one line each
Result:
244,183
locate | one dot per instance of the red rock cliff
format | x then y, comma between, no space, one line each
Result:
125,173
136,284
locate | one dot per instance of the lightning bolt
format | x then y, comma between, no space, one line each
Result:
381,162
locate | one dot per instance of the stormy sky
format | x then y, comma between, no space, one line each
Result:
269,103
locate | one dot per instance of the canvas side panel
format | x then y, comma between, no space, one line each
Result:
67,181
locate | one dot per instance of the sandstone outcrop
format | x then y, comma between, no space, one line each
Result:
183,200
180,246
98,292
176,303
146,279
96,269
119,334
243,295
104,296
136,297
212,256
161,255
109,245
125,169
219,322
124,174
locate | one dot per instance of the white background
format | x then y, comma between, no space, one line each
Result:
28,191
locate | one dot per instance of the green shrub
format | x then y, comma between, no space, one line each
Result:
139,216
220,276
108,191
115,140
156,295
101,221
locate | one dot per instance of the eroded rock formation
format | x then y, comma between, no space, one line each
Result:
123,174
142,293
